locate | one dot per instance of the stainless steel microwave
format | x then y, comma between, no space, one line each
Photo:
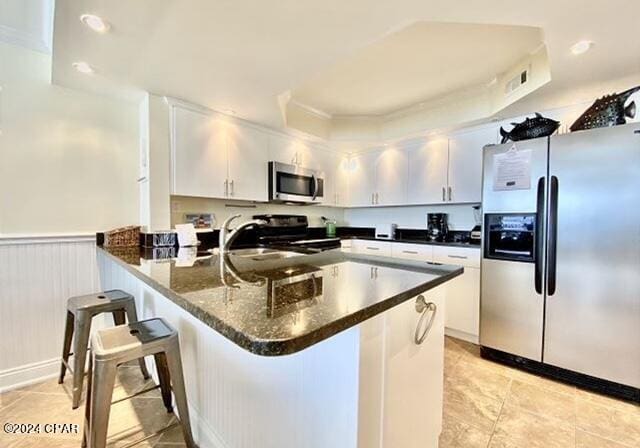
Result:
291,183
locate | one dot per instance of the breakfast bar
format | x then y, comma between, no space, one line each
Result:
286,344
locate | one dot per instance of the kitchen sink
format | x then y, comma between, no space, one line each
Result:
263,253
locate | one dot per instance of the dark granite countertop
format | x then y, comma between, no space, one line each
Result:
272,306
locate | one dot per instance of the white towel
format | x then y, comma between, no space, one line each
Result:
186,235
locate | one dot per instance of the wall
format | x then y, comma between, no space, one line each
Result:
155,163
415,217
37,275
222,209
68,166
69,159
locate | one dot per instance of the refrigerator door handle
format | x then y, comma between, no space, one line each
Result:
553,236
539,242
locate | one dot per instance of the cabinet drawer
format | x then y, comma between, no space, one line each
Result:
418,252
381,248
462,256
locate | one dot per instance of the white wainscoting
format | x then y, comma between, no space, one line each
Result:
37,276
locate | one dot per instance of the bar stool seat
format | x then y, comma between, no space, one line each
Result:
80,313
114,346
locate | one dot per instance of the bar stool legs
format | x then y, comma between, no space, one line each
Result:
82,331
100,405
66,346
165,380
174,362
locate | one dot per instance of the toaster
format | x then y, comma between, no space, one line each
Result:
386,231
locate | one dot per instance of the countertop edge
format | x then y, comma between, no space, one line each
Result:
407,241
281,347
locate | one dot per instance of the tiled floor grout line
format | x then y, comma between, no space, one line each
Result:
21,396
606,438
504,400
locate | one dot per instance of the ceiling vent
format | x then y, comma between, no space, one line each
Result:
517,81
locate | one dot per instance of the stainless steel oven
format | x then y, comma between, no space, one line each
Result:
291,183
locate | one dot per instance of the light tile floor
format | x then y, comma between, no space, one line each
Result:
487,405
494,406
130,420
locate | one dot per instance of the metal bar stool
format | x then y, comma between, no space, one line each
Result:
80,312
114,346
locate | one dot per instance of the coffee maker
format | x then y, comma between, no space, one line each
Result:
437,226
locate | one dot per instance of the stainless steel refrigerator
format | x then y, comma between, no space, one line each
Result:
561,253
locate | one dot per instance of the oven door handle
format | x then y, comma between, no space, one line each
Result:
539,240
315,187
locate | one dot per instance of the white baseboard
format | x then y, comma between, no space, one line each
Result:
205,436
22,376
473,338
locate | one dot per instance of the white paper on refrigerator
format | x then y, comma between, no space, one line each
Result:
512,170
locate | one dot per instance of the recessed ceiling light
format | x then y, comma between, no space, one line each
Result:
95,23
83,67
581,47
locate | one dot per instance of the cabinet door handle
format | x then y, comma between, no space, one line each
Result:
461,257
226,187
423,307
232,189
377,202
373,248
444,194
412,252
372,196
450,195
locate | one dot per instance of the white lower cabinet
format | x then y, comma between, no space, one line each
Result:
401,384
463,292
417,252
372,247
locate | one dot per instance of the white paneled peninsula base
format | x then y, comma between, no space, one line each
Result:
332,361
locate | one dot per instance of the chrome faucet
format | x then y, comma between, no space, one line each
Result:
227,238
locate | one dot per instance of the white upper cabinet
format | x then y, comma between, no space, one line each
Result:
199,154
428,165
221,157
326,161
248,163
286,149
362,179
391,177
465,164
341,183
216,158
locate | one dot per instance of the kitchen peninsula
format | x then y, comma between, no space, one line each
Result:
299,349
